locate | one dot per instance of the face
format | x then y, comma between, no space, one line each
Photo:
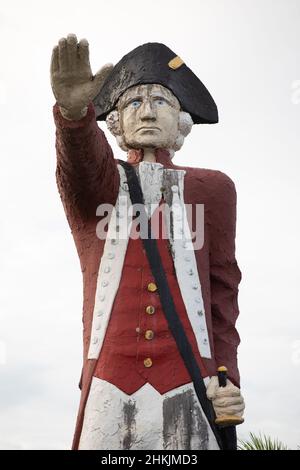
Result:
149,117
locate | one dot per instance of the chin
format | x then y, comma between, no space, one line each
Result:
146,143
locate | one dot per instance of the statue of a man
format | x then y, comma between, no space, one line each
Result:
136,391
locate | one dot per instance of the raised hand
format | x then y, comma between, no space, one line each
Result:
72,81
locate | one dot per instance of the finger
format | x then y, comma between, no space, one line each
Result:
222,415
72,50
229,401
100,77
84,54
230,410
228,392
62,55
212,387
54,68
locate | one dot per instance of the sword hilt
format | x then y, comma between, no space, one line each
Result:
226,420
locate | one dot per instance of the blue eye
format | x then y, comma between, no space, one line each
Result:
160,102
135,104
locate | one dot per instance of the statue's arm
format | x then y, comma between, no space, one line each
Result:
86,170
225,275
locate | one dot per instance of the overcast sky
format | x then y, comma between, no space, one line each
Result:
247,52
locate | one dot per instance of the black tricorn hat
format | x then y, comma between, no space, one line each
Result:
156,63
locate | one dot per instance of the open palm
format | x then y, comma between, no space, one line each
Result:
72,81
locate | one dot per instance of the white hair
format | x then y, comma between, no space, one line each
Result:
185,124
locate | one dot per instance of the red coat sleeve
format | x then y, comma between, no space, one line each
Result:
87,173
225,275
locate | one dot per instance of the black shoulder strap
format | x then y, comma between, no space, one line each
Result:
169,309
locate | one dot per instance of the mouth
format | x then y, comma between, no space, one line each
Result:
148,128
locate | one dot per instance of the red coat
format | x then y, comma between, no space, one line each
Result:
87,176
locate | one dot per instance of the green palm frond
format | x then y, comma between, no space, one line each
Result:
261,442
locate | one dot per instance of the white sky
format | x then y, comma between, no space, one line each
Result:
247,53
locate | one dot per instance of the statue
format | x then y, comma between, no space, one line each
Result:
137,391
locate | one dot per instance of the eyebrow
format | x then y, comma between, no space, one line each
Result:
161,96
169,99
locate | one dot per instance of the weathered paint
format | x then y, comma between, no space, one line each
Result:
184,426
144,420
129,413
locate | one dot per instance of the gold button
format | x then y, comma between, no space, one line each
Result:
152,287
150,309
149,334
148,362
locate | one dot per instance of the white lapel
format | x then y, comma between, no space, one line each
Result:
185,261
111,266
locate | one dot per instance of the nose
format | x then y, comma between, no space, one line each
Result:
147,112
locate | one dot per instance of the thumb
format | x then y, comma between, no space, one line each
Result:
100,77
212,387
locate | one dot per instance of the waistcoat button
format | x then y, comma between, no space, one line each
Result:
150,309
149,334
148,362
152,287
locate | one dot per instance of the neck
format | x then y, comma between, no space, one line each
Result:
149,155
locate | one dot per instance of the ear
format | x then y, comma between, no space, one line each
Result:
113,123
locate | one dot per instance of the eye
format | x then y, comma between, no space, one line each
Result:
135,104
160,101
